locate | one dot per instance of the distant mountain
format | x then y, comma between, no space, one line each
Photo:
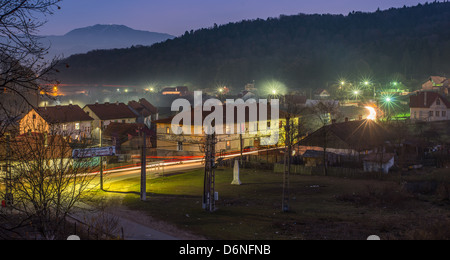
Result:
301,51
101,37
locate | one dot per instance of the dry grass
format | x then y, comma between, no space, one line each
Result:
322,207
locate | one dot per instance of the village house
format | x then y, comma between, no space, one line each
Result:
68,121
128,138
170,143
105,114
145,112
313,158
352,140
429,106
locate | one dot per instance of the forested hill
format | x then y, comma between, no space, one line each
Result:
301,51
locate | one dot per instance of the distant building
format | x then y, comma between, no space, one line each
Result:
250,87
177,91
322,94
105,114
438,84
69,121
429,106
246,95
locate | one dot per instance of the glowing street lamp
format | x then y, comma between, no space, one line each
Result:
373,113
356,93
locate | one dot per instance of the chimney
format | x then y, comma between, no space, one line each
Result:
425,99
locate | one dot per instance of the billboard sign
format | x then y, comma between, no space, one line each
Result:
93,152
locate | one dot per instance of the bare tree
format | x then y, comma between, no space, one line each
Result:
43,184
24,74
325,112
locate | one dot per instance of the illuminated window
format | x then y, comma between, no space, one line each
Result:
77,126
228,145
228,130
168,130
64,127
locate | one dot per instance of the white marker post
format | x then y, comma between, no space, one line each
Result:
236,180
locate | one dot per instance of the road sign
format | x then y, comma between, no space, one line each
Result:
94,152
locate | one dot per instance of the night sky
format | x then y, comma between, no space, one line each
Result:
177,16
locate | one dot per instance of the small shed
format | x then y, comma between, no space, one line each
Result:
313,158
379,162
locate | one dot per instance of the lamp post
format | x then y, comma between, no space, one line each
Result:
101,158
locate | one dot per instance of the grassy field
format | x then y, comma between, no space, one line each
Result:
322,207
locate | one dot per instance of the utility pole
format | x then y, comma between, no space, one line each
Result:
144,167
287,167
242,148
101,158
210,177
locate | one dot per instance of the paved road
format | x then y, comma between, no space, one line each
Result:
126,174
136,231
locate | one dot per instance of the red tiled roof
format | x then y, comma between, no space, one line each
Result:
426,99
148,106
143,107
360,135
63,114
123,129
109,111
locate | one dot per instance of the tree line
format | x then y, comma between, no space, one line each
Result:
303,51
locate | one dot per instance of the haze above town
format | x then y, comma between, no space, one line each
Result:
177,16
